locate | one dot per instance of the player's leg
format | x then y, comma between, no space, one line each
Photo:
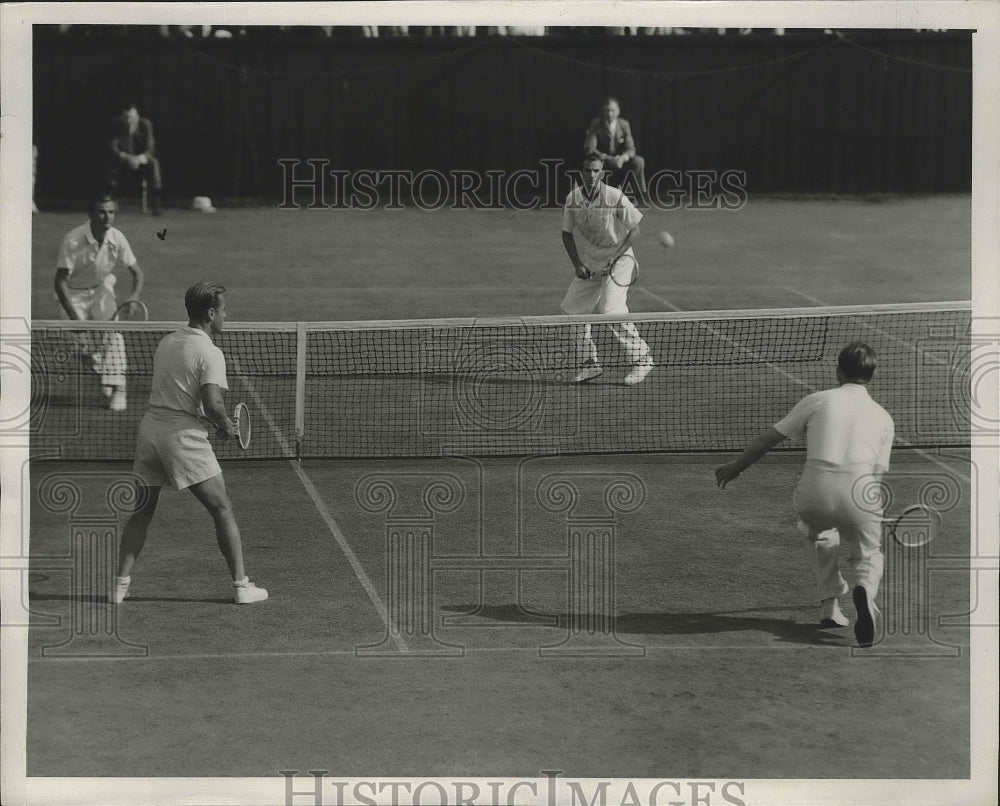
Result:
114,368
614,301
862,534
815,503
137,527
80,302
581,298
109,357
148,467
213,496
134,538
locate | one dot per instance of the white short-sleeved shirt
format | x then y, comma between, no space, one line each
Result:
183,362
602,223
841,426
88,261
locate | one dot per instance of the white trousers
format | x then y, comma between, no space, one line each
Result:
106,349
603,295
832,509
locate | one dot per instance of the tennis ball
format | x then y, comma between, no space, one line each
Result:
666,239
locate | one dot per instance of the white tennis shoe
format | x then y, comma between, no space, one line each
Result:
589,371
247,592
118,400
639,372
120,592
831,614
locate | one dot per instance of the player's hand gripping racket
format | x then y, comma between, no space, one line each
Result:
242,423
917,526
131,310
623,271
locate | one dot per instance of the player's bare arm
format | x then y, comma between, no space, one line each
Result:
215,410
751,455
574,256
62,293
138,280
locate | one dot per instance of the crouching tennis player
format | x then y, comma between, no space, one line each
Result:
848,441
189,374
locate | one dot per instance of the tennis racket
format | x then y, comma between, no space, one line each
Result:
244,427
916,526
241,419
132,310
623,272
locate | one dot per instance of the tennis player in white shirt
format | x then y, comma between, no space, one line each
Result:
608,224
848,443
85,288
189,375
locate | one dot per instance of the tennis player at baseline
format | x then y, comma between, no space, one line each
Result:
85,288
848,442
608,224
189,374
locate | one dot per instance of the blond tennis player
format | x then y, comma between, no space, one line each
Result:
608,224
848,443
85,288
189,375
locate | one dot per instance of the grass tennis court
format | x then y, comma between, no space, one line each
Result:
723,671
320,265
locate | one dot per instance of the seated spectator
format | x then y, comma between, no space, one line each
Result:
610,137
133,149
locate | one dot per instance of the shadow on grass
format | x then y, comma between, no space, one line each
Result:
730,621
95,599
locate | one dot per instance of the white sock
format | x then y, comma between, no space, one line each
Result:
241,583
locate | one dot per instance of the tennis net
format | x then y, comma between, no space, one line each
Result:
487,387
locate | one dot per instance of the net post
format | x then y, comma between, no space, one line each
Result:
300,387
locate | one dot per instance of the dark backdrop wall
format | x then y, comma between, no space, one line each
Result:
861,112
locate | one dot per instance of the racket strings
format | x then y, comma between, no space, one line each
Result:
132,311
618,275
243,425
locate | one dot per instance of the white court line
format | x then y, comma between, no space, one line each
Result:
934,460
323,510
927,356
746,350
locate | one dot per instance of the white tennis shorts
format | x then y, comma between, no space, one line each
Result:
174,451
601,295
97,303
